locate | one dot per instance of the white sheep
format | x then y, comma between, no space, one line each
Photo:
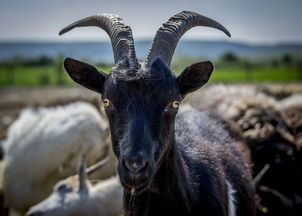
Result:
229,100
293,100
75,196
292,107
44,146
253,111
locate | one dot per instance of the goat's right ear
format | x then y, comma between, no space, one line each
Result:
85,74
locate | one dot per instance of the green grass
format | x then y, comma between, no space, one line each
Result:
38,75
28,75
47,75
261,74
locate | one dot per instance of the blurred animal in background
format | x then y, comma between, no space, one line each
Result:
267,130
292,107
44,146
76,196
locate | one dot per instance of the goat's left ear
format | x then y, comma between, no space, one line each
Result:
194,76
85,74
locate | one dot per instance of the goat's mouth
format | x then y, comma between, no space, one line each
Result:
135,184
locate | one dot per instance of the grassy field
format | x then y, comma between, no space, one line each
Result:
48,75
263,74
34,75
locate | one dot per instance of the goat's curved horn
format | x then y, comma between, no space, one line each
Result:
168,35
120,34
83,188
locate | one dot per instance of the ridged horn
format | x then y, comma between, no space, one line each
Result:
168,35
119,34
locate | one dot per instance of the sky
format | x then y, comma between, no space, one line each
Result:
251,21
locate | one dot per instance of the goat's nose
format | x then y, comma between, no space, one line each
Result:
135,164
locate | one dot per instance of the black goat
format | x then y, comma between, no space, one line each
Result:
188,164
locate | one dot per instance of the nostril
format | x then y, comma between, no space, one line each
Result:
135,165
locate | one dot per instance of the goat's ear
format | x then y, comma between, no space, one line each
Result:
194,76
85,74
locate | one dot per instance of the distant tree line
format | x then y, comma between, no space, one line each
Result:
228,58
233,59
42,60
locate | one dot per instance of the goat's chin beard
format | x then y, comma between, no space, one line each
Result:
138,190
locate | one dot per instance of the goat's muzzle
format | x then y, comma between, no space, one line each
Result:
135,172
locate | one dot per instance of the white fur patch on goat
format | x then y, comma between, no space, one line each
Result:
231,199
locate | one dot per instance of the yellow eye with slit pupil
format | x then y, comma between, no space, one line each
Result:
175,104
106,102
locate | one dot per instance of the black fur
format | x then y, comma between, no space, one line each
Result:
191,179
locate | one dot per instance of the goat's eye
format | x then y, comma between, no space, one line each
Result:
106,102
175,104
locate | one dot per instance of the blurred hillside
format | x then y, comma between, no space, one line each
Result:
101,51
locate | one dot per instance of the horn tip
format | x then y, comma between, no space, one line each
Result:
228,34
66,29
62,32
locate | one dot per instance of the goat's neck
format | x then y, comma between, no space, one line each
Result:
172,179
